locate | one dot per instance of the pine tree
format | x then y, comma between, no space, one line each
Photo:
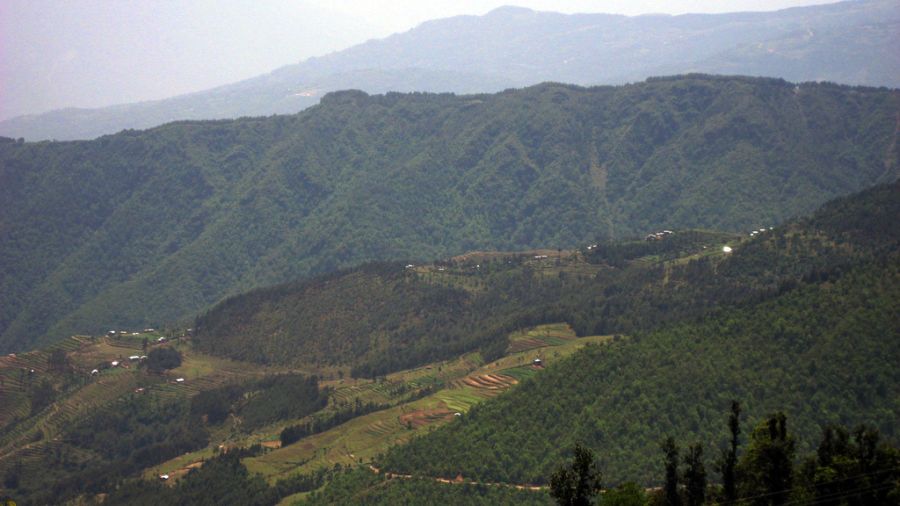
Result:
767,466
729,459
578,483
670,450
695,475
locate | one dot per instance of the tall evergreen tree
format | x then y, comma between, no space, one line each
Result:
695,475
767,466
670,452
860,471
729,459
578,483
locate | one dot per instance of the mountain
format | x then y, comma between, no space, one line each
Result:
821,350
849,42
800,318
142,228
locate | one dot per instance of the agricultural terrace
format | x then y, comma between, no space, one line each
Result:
464,382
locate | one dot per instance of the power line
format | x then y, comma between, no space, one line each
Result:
792,489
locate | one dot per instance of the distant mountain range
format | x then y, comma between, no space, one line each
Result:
850,42
140,228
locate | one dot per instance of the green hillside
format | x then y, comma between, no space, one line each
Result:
659,336
822,349
141,228
387,317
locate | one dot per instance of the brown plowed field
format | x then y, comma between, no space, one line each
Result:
425,417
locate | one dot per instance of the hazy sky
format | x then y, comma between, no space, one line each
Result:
92,53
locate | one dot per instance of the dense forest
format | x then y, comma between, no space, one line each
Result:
821,347
385,317
760,466
824,353
142,228
799,318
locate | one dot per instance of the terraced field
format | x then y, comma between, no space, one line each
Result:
24,436
82,392
521,373
466,382
540,337
453,387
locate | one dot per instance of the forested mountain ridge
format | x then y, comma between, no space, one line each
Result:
800,318
821,349
848,42
386,317
142,227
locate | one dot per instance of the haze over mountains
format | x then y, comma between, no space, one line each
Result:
457,289
848,42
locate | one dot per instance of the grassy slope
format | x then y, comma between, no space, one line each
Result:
143,227
459,384
32,438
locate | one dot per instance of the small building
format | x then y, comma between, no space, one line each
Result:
161,339
149,330
179,380
134,358
164,477
95,372
726,249
457,414
537,362
114,363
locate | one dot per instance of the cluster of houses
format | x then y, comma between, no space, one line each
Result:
760,231
658,236
125,332
117,363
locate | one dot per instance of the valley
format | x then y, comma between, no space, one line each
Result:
502,256
582,345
